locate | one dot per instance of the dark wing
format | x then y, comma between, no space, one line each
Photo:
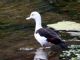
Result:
50,34
54,30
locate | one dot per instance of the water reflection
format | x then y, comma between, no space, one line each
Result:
40,54
51,53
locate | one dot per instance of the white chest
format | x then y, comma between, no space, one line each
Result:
42,40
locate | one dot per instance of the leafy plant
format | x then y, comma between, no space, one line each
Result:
73,53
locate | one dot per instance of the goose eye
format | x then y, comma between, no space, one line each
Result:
32,14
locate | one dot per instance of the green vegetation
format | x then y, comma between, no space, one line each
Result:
73,53
69,7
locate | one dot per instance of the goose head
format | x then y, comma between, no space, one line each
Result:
34,15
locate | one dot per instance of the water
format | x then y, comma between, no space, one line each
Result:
40,53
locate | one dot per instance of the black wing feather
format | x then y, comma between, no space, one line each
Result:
50,34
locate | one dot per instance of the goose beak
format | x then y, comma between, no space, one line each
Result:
28,18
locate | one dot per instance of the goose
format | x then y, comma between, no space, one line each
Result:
45,35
